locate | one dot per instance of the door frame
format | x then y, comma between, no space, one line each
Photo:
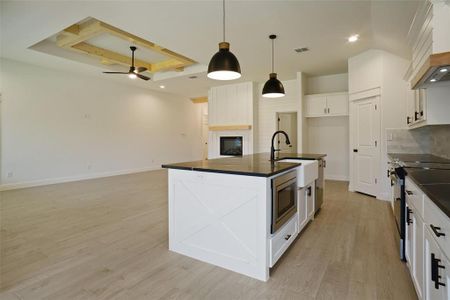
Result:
277,123
374,93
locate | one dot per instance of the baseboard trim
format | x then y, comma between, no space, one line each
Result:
49,181
336,177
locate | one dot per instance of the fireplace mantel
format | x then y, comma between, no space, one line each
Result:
229,127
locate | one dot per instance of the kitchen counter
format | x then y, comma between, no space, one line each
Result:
418,158
435,184
250,165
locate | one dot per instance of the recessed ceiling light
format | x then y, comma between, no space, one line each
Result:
433,80
162,86
443,70
353,38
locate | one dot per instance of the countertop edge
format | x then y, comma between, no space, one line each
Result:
254,174
423,188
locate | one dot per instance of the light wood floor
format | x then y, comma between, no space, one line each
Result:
107,239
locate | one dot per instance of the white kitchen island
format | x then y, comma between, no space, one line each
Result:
220,212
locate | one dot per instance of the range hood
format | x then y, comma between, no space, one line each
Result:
435,69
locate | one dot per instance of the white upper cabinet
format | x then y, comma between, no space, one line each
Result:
326,105
428,106
231,104
315,105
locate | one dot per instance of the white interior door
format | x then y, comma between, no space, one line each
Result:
366,152
288,123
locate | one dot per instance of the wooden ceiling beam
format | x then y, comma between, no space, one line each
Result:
72,35
107,55
144,43
198,100
169,64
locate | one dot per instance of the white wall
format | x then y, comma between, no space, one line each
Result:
327,84
385,71
268,108
58,126
329,135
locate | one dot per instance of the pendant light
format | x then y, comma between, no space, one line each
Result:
224,65
273,88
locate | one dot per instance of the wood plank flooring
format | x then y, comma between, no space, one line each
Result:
107,239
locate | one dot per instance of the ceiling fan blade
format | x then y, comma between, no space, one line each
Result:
141,69
115,72
143,77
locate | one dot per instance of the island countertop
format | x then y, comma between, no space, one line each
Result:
250,165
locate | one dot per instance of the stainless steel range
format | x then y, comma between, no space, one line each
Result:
397,175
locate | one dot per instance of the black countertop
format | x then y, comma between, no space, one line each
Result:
251,165
435,184
418,158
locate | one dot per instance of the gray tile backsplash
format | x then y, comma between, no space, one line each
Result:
429,139
440,140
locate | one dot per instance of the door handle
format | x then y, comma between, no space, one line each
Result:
355,150
435,266
408,212
436,230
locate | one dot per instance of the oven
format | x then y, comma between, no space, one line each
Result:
397,176
284,199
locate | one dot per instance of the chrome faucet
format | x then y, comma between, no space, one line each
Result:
272,148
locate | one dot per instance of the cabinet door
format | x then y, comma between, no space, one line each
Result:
302,208
417,250
420,104
437,278
315,106
337,105
310,200
409,238
410,106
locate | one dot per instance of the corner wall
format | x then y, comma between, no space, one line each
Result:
58,126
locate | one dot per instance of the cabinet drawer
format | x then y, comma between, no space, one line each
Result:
282,239
439,224
415,196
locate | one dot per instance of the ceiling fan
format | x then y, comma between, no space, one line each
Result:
133,72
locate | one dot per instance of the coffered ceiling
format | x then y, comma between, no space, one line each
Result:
193,29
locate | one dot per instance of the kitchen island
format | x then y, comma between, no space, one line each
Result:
220,211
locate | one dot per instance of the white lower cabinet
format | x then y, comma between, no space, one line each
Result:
305,205
437,275
282,239
427,248
414,247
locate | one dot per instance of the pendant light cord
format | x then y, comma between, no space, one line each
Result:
223,19
272,57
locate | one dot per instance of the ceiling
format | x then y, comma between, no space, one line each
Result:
193,29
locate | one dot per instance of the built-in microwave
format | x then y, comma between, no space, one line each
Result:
284,199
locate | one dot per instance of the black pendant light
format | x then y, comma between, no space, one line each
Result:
224,65
273,88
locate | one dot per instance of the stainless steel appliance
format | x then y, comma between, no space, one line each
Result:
284,199
397,175
320,185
